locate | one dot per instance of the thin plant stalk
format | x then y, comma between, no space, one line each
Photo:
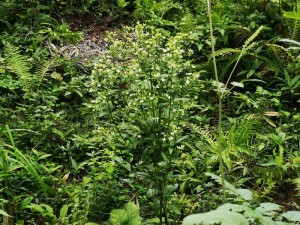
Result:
212,39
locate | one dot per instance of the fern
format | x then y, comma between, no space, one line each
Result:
18,64
246,49
278,48
252,37
205,134
43,69
292,20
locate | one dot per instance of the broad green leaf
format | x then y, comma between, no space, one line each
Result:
118,216
36,207
74,164
293,216
245,194
268,207
248,212
264,220
133,214
222,217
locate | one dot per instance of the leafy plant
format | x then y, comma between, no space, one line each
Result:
242,213
19,65
293,21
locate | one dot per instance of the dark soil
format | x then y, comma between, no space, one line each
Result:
286,195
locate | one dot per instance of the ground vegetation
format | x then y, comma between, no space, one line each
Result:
135,112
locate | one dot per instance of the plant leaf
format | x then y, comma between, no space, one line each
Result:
63,211
3,213
223,217
133,214
118,216
293,216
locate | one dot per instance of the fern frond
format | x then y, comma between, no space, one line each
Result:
18,64
252,37
292,20
240,35
205,134
278,48
249,47
42,70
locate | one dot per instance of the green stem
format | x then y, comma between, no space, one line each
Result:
212,39
161,204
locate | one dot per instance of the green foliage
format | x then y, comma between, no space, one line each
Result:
59,33
293,21
243,213
223,217
140,122
19,65
127,216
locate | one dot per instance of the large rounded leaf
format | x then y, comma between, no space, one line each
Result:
292,216
223,217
